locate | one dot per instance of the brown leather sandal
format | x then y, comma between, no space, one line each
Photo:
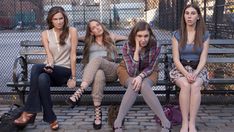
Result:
54,125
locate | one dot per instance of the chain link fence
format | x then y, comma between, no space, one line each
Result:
25,19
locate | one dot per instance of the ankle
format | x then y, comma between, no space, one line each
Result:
84,85
166,124
117,124
185,124
97,123
192,128
97,114
184,128
96,103
117,127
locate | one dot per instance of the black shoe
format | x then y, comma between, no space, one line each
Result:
118,128
167,128
77,96
98,116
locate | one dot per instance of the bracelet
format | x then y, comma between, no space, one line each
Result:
142,77
73,78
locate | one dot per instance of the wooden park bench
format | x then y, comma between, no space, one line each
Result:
32,52
220,56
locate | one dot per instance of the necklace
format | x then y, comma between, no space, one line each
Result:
57,41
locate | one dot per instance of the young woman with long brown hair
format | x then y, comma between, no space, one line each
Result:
60,42
99,58
190,48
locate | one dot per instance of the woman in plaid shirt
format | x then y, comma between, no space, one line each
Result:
138,72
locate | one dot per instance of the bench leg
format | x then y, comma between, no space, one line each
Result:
21,94
22,97
168,91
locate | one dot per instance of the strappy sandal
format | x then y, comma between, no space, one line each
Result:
166,129
117,129
54,125
77,96
98,116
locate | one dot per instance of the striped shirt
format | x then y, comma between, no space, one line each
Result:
147,60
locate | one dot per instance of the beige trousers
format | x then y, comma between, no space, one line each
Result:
97,72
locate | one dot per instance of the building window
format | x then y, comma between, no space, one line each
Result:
90,2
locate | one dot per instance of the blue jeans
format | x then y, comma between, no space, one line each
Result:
39,97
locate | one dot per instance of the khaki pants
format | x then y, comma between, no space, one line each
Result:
97,72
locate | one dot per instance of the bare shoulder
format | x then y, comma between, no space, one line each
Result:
44,34
174,40
72,29
112,35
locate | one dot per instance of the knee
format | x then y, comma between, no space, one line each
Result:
35,68
43,78
196,87
100,76
146,85
130,88
185,86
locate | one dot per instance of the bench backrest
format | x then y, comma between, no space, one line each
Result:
220,50
35,48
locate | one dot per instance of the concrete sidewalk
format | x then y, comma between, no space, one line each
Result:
211,118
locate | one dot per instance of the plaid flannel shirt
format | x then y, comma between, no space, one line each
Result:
147,61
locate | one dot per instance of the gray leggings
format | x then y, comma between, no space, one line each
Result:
97,72
130,97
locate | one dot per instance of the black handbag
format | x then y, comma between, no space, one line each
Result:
8,118
112,114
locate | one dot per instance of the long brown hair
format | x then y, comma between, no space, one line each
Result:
65,31
141,26
90,39
200,28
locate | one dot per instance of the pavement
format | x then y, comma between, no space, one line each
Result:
211,118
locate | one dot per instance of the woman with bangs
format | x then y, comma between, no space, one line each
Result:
190,48
99,58
60,43
138,72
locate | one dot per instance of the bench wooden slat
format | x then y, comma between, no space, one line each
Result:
221,51
222,42
28,43
78,82
161,42
35,61
212,42
32,52
220,60
42,52
212,51
221,81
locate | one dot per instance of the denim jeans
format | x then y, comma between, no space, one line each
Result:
39,98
